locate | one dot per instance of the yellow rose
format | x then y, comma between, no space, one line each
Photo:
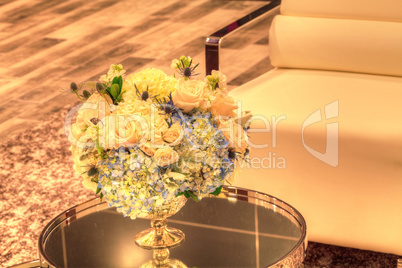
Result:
235,135
174,134
166,156
223,106
95,107
189,94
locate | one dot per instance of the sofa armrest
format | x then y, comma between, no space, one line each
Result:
212,43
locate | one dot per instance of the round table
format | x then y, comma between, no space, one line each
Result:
238,228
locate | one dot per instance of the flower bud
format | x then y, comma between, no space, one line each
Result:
94,121
99,87
86,94
73,87
144,95
187,72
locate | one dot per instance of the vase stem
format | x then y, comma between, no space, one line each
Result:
161,256
159,236
159,225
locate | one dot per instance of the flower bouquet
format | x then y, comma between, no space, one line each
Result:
146,140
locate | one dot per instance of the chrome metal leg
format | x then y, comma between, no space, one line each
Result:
30,264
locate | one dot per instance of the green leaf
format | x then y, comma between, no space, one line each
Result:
189,194
115,80
115,91
217,190
118,99
101,196
120,81
98,190
193,196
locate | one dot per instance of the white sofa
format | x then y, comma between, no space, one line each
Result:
333,109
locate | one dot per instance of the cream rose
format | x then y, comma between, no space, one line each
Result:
148,149
166,156
121,130
235,135
189,94
173,135
223,106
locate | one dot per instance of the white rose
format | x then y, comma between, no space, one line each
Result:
189,94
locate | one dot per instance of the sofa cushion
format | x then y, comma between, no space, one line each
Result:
337,44
355,119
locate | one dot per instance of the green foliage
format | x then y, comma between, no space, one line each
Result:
101,152
115,90
189,194
217,190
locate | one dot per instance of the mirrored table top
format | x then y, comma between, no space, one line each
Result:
238,228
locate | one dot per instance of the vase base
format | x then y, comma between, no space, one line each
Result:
171,263
166,237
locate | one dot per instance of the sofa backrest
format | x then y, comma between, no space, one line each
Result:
384,10
340,35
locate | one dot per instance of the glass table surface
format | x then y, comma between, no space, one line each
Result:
238,228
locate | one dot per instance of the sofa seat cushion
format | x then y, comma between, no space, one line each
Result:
333,151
